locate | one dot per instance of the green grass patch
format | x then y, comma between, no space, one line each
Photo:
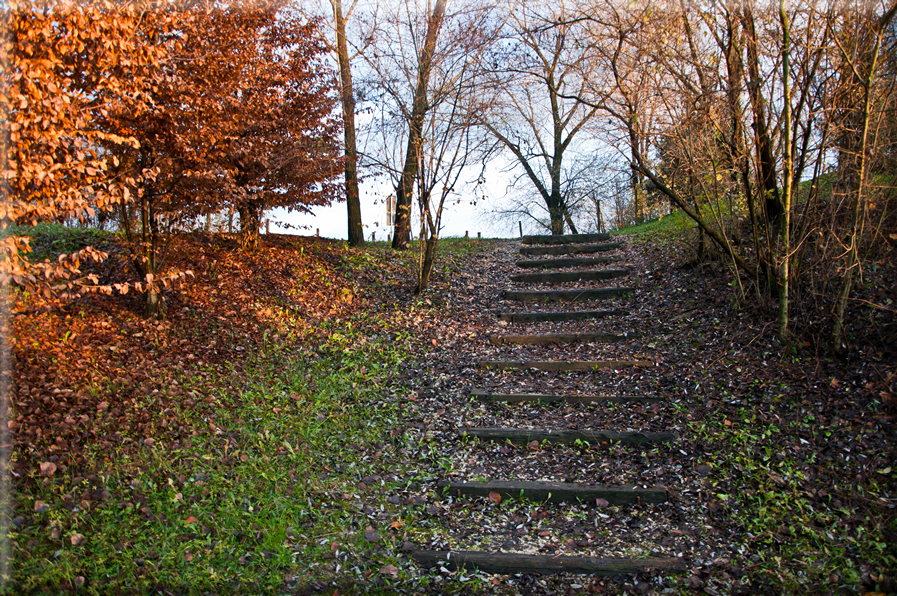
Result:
804,534
260,492
49,240
668,225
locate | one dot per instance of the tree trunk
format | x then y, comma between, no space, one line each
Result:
250,221
765,158
638,178
861,202
787,178
405,189
427,264
569,221
347,96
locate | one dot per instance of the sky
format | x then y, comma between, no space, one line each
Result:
463,215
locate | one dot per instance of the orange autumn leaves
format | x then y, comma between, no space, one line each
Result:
157,114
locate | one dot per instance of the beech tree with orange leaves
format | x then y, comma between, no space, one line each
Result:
240,115
162,113
60,63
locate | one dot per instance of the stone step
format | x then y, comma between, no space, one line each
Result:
562,263
565,239
574,295
556,492
557,338
563,365
540,317
569,249
540,398
525,436
512,563
566,276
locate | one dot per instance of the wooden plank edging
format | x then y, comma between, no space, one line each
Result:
556,492
562,365
561,263
565,239
516,435
557,338
554,399
568,276
510,563
538,317
574,295
569,249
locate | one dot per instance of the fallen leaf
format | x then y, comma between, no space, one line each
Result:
494,497
149,442
396,524
188,557
40,506
191,520
389,570
77,539
371,535
835,383
727,422
47,468
601,503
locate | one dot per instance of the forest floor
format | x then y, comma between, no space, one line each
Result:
284,428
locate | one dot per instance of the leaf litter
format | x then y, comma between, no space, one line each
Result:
712,366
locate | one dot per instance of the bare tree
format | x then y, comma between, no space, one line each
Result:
539,75
347,97
419,106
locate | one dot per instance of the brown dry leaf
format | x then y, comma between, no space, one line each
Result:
47,468
371,535
389,570
188,557
191,520
396,524
40,506
77,539
835,383
727,422
494,497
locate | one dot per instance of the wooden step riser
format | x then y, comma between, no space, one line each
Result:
556,492
542,317
565,239
536,398
576,295
564,263
523,436
559,365
560,338
511,563
571,249
568,276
